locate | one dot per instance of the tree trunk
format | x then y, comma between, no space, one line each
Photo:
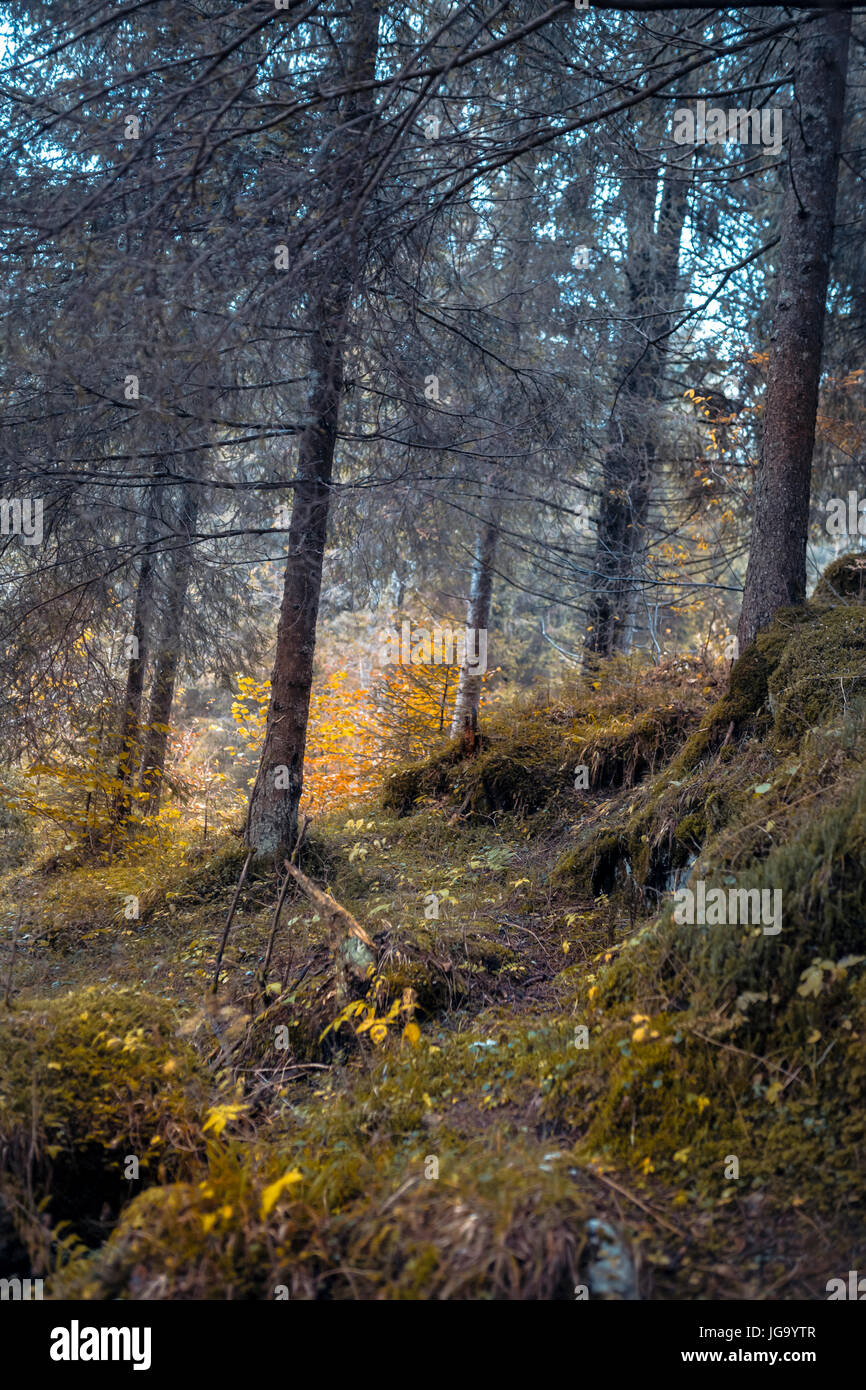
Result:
468,694
478,620
629,462
130,729
273,810
776,572
168,656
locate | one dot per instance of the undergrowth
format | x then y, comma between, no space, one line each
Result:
545,1049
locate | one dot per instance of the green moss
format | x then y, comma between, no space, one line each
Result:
411,783
819,873
594,865
626,751
700,1044
821,670
87,1080
843,580
743,706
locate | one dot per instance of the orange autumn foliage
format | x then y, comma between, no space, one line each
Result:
343,748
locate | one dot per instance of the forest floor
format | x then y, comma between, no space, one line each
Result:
539,1085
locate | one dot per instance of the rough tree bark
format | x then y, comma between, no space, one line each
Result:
168,655
629,462
776,572
273,811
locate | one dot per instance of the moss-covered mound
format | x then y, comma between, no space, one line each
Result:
743,707
348,1227
508,775
421,975
624,751
805,666
820,672
842,581
532,764
736,1047
803,681
89,1081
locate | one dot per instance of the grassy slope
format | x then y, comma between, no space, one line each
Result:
587,1070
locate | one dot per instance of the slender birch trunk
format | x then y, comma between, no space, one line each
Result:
477,620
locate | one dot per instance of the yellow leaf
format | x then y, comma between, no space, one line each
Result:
220,1115
272,1194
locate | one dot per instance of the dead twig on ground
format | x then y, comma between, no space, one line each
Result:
228,925
281,899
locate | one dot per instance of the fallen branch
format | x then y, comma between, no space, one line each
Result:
228,925
282,898
335,911
624,1192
